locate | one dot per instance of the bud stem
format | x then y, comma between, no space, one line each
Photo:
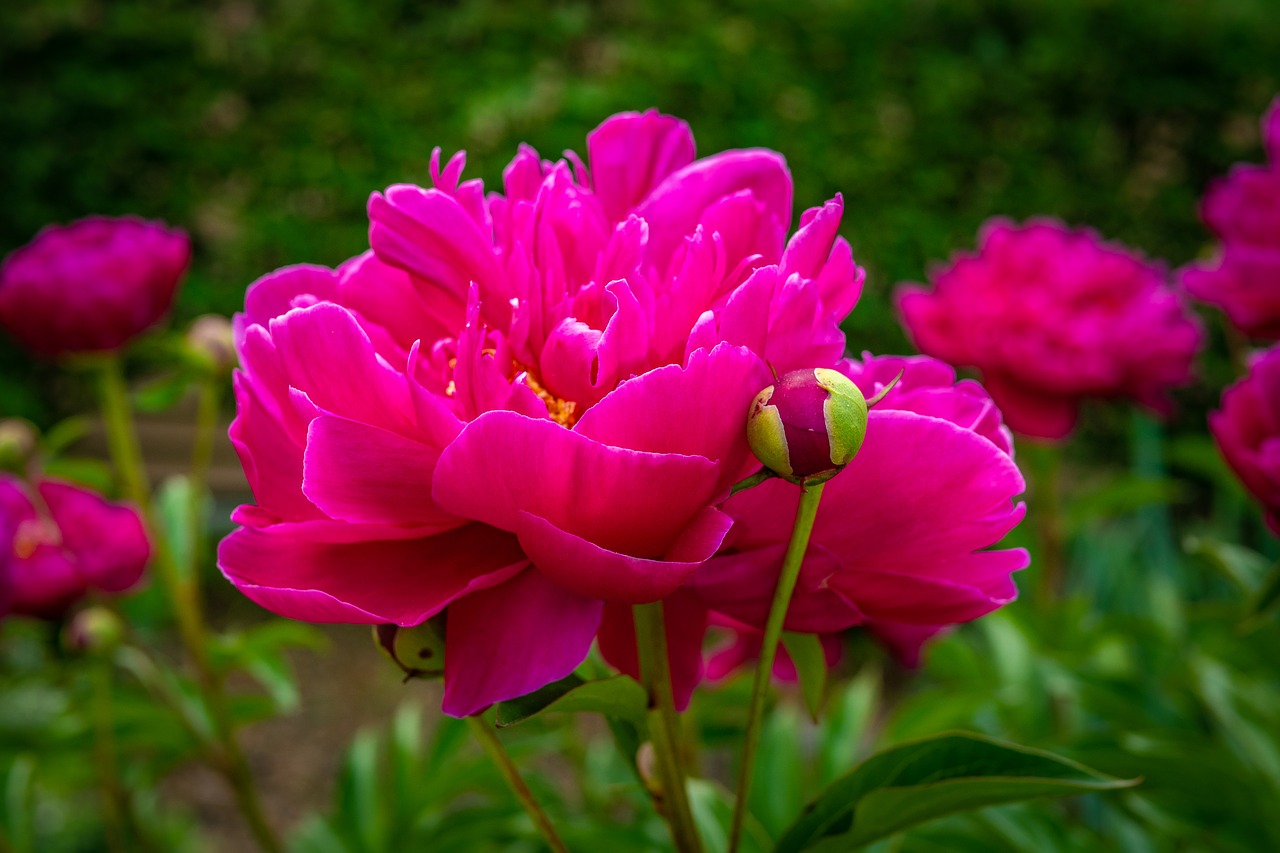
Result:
493,746
806,512
664,724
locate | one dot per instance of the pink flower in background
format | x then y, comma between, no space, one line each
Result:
1052,316
91,285
1243,210
900,538
1247,429
521,406
66,541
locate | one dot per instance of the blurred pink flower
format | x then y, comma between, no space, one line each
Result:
91,285
1243,210
900,536
1051,316
520,406
1247,429
64,542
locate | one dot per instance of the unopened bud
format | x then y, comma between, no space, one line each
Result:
94,631
17,444
211,338
808,425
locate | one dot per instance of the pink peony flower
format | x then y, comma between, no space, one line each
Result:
500,409
900,533
91,285
1243,210
1051,316
529,407
65,541
1247,429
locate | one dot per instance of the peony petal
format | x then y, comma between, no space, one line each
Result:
295,573
685,620
666,410
676,206
513,638
630,154
108,540
328,357
590,570
1044,416
627,501
364,474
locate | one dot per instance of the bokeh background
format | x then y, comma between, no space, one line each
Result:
262,127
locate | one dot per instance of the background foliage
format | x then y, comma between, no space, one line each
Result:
262,127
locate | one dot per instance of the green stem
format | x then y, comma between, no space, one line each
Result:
114,804
806,512
183,594
1047,511
198,478
493,745
664,724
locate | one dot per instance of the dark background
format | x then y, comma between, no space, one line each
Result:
262,127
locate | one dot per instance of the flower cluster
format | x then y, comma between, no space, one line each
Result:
1243,210
91,285
1247,429
528,407
59,541
1050,316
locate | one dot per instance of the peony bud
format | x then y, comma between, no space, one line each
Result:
808,425
211,339
92,285
17,444
94,631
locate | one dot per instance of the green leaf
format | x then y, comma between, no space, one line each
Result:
1265,600
811,667
916,782
619,696
1242,566
162,392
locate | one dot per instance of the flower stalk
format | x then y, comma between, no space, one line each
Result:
493,746
183,594
664,724
806,513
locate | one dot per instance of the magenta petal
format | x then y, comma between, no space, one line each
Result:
590,570
1026,411
403,581
271,458
430,234
666,411
364,474
513,638
917,600
676,206
108,540
329,358
298,286
686,624
503,464
630,153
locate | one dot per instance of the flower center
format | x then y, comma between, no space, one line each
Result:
33,533
563,412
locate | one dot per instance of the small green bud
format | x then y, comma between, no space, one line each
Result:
94,631
808,425
211,339
17,445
